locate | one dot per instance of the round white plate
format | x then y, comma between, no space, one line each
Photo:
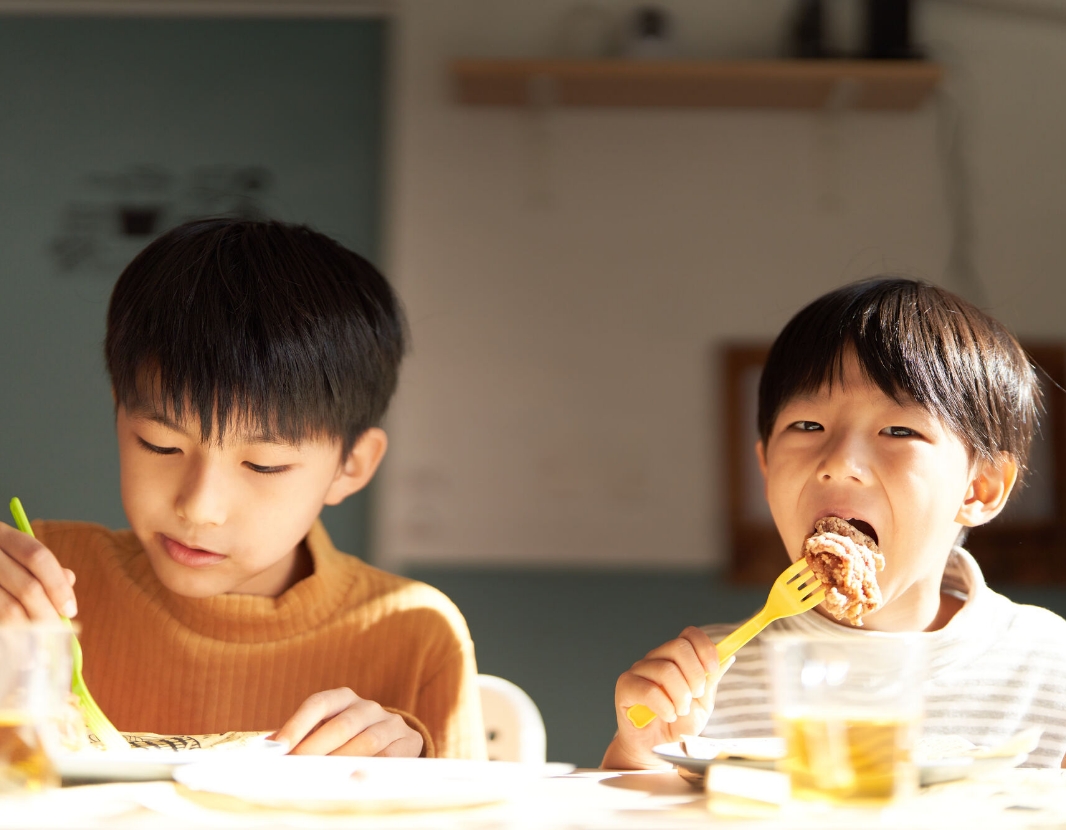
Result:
343,784
149,764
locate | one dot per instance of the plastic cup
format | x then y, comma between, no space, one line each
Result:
850,712
35,669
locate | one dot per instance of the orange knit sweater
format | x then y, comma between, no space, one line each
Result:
159,662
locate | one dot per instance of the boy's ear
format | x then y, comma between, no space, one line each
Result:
760,452
359,466
988,492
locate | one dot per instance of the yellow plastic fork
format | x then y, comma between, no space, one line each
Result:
795,591
95,720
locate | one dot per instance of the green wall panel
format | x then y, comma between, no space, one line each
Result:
168,118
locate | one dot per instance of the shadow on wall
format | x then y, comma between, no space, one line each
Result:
565,636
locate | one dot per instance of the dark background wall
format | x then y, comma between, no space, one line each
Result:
113,129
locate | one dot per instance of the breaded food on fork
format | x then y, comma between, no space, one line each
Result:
847,561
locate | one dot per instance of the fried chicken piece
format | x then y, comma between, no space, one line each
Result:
847,561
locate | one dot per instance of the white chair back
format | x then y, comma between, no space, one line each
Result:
514,728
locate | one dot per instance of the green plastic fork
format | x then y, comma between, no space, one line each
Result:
792,593
95,719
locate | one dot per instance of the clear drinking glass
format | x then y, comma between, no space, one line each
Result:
35,668
850,712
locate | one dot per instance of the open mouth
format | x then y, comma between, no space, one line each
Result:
864,527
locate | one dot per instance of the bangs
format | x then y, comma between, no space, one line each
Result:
244,415
915,342
255,326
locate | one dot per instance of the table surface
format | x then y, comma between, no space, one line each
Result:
1017,798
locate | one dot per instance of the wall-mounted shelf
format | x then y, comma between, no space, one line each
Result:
783,84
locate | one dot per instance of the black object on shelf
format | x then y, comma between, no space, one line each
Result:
807,31
888,30
649,35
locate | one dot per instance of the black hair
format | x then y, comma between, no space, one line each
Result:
913,341
255,324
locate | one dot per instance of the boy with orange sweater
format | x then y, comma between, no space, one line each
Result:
251,364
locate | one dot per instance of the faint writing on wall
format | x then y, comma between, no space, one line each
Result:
116,214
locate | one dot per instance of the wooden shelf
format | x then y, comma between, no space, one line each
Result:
781,84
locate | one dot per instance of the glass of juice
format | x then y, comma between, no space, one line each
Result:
849,710
35,668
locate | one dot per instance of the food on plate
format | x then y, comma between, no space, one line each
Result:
179,743
221,740
847,561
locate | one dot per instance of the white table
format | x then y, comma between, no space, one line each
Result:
583,799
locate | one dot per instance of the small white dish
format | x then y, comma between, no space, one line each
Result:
944,758
954,769
737,754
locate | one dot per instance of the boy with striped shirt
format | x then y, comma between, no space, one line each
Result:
904,409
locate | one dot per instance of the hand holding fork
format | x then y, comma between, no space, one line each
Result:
796,590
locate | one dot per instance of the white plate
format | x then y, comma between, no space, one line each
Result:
149,764
929,772
954,769
358,785
675,754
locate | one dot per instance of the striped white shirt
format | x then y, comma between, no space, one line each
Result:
995,668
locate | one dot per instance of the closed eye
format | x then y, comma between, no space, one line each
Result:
267,471
152,448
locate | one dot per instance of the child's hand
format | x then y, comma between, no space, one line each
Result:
33,585
672,680
339,722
